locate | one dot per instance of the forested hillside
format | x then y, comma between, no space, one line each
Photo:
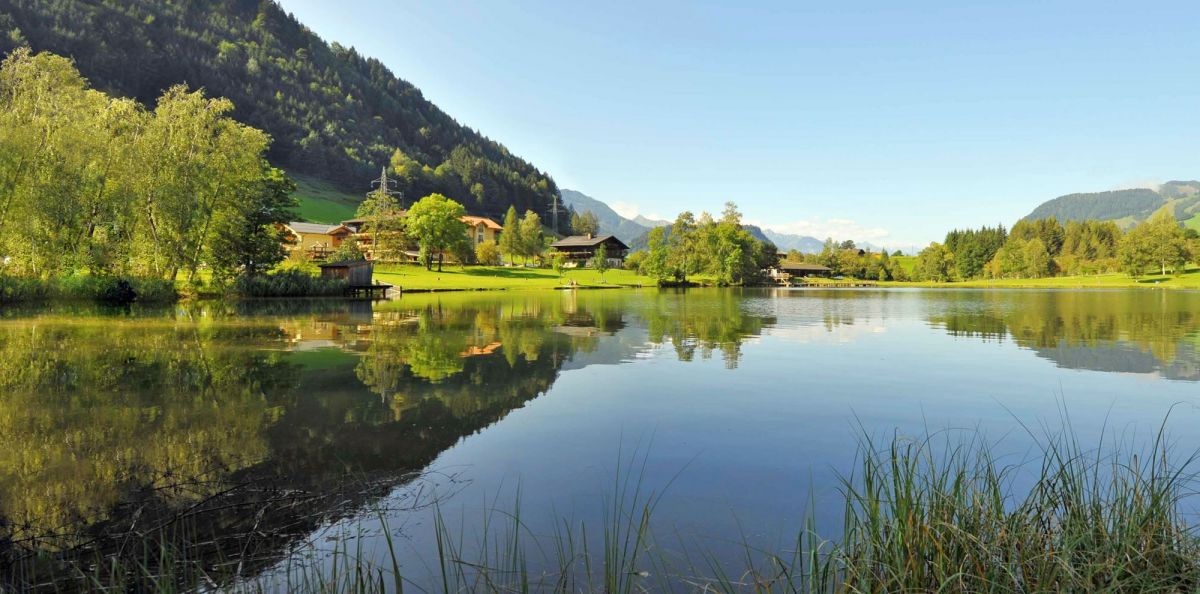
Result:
332,113
1125,207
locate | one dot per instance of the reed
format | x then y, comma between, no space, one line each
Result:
937,514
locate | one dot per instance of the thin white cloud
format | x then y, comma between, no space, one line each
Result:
835,228
625,209
632,211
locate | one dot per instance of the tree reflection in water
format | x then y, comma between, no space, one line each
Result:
228,432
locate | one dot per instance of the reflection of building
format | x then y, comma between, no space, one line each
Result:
475,351
581,248
315,240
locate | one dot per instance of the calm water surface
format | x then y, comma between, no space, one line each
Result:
284,430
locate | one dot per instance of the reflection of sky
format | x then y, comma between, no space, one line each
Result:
754,447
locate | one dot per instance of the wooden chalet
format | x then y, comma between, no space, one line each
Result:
316,240
789,270
581,248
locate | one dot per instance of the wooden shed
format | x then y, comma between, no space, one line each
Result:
357,273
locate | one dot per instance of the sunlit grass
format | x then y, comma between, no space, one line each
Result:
453,277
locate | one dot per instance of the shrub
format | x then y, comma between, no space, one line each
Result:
487,253
86,287
288,283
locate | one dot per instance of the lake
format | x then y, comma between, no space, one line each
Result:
260,436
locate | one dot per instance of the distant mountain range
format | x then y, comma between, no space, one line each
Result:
1126,207
634,231
611,223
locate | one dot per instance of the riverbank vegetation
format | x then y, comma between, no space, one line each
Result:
719,249
100,188
1033,253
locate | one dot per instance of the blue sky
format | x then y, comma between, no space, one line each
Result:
889,122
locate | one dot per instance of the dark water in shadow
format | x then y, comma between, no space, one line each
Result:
256,433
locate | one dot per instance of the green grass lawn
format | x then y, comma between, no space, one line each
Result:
1190,280
1193,223
907,263
321,202
411,277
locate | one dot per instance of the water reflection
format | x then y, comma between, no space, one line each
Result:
236,429
254,423
1149,332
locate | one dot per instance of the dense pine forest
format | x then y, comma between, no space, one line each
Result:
331,112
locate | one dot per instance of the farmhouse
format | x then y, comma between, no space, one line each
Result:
581,248
481,229
315,240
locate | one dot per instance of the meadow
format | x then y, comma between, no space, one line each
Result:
482,278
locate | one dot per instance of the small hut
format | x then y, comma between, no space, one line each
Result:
356,273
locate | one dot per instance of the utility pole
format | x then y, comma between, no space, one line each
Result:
387,186
554,209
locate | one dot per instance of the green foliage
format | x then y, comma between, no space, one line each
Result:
973,249
100,186
655,264
934,263
435,223
487,253
247,239
1048,230
1159,242
510,236
84,287
384,223
333,113
585,223
600,260
288,283
530,241
722,249
347,251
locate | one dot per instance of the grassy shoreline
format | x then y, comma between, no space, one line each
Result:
409,278
1187,281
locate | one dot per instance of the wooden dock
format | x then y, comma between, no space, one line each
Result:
847,284
378,291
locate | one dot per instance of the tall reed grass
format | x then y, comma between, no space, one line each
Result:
920,515
85,287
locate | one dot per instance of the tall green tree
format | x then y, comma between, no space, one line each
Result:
435,221
585,223
656,264
384,222
247,238
510,236
935,263
600,260
1159,242
532,240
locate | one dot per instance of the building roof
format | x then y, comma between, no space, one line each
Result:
345,264
586,241
319,228
806,266
475,221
